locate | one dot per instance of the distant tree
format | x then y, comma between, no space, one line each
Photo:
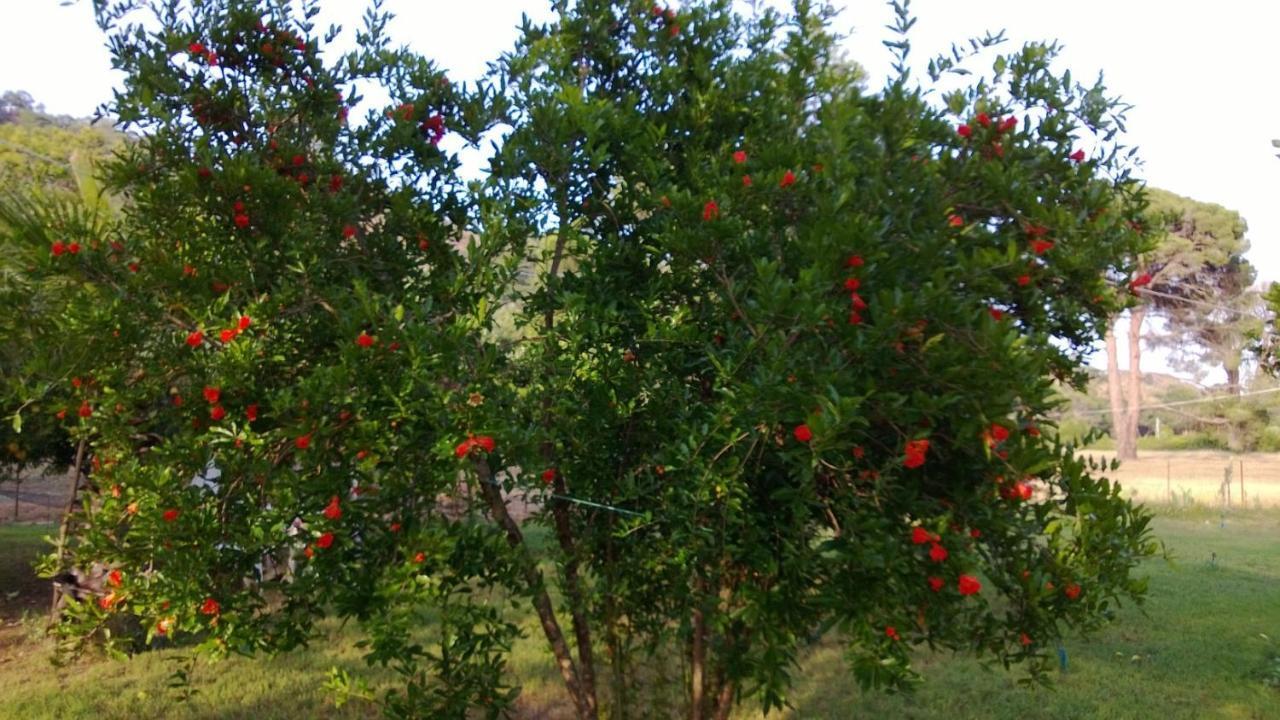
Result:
1198,281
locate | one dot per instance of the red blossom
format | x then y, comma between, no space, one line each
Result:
325,541
333,510
210,607
549,475
915,453
998,433
106,602
1041,247
420,557
854,261
335,183
788,179
996,314
115,578
348,231
936,583
242,220
228,335
984,120
212,394
217,413
85,410
739,156
969,585
1024,280
251,412
746,181
1077,156
938,553
858,452
955,220
891,632
1025,639
73,248
302,442
171,514
309,552
243,323
858,303
433,128
964,131
58,248
1141,281
852,284
920,536
1009,123
975,533
1072,591
710,211
164,625
802,433
394,527
364,339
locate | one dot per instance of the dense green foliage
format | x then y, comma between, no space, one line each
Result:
798,338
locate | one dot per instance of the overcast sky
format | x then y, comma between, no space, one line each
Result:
1201,74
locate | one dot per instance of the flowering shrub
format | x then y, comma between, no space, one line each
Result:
755,412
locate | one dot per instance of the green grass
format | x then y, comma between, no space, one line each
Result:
1196,652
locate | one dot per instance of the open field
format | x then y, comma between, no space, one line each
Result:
1197,652
1198,475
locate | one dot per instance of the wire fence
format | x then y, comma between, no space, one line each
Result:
1216,479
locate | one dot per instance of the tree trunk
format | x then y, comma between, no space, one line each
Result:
1235,429
1119,429
541,600
77,471
697,665
1133,398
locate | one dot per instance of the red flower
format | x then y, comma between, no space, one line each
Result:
788,179
309,552
303,441
433,128
299,160
1072,591
1010,123
920,536
746,181
1024,280
196,48
217,413
549,475
1041,247
936,583
996,314
975,533
333,510
107,601
1033,431
964,131
852,284
891,632
674,30
937,553
464,448
984,120
1077,156
969,585
133,267
858,452
227,335
58,248
915,452
855,318
394,527
243,323
854,261
348,231
335,183
251,412
242,220
362,454
710,211
1025,639
210,607
73,248
998,433
85,410
1141,281
364,339
739,156
420,557
212,394
484,442
858,303
803,433
115,578
171,514
163,626
955,220
325,541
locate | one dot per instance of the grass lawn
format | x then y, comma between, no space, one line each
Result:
1195,653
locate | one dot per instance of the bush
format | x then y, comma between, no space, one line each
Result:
773,352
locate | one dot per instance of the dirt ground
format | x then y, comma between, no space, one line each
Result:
1198,475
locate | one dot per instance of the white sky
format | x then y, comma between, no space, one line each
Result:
1201,74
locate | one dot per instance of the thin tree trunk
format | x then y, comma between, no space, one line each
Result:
724,703
541,600
66,523
1235,430
1114,393
697,664
1134,395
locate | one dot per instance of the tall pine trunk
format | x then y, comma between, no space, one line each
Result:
1119,429
1133,395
